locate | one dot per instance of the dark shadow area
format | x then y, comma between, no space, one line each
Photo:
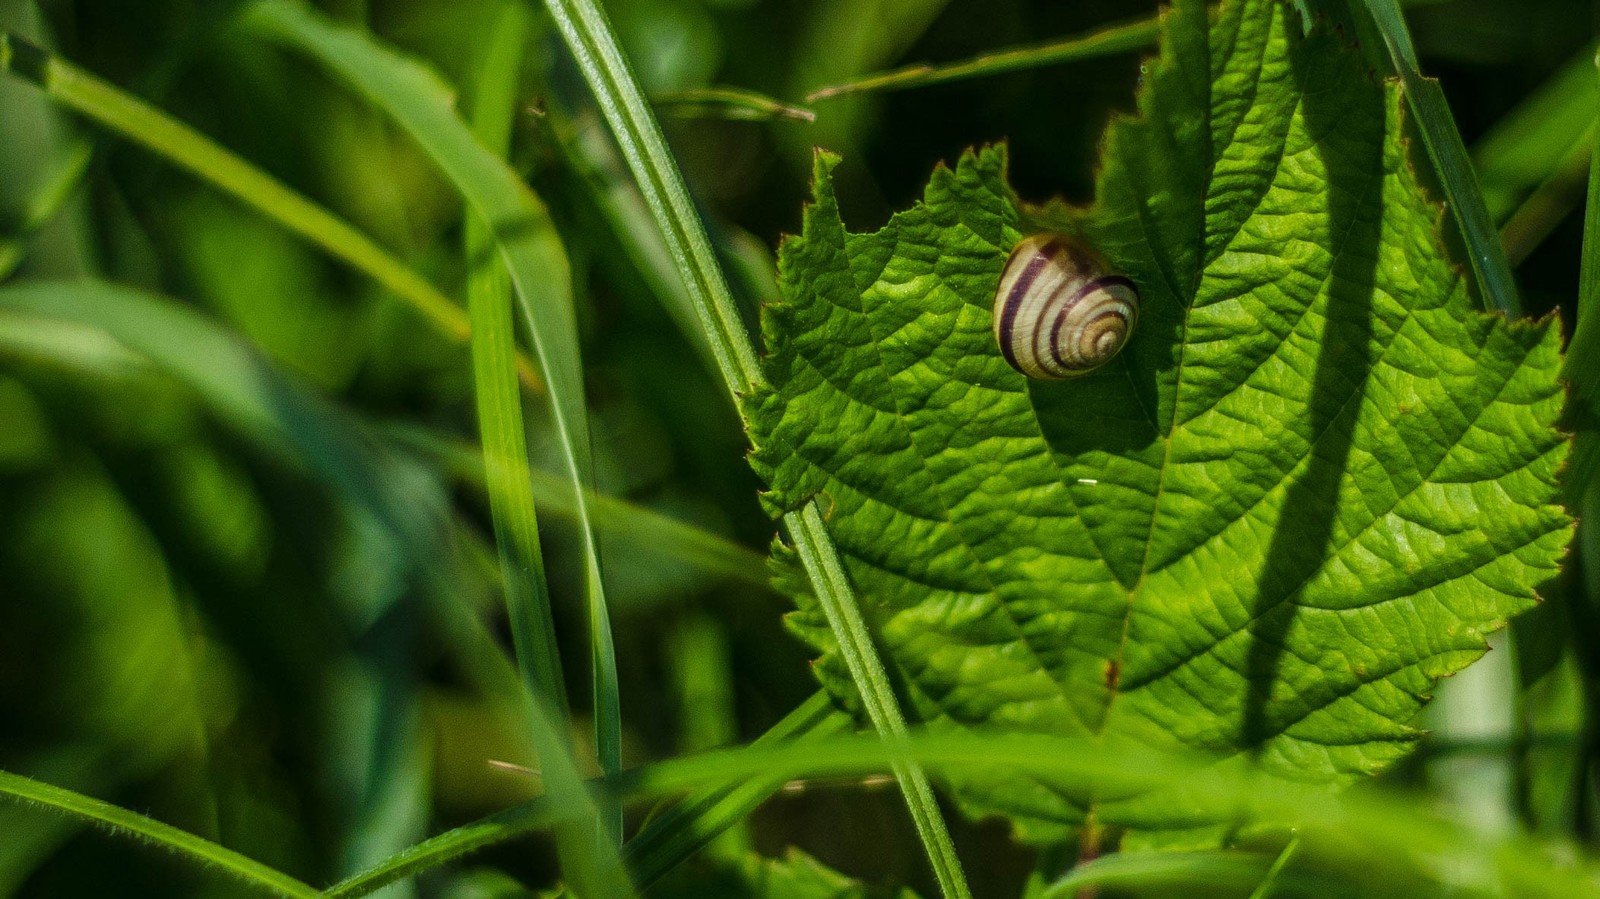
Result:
1347,123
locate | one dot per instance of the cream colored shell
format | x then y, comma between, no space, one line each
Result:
1059,313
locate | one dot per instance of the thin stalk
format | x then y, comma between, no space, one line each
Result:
728,103
1270,881
1108,41
589,36
187,148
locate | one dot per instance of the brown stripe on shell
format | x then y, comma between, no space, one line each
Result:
1049,283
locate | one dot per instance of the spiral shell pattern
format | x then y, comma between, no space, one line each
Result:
1058,312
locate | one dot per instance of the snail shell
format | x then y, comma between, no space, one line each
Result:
1059,312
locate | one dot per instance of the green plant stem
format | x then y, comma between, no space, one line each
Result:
1454,168
245,871
1135,35
185,147
588,35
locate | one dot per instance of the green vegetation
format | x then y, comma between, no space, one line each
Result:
421,449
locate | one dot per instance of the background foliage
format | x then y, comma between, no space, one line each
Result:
197,624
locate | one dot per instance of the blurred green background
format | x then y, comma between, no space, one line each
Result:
193,627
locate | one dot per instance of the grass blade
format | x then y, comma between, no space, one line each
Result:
1463,197
1108,41
246,872
645,150
1526,144
685,828
499,406
532,251
189,149
1550,202
589,36
644,529
276,413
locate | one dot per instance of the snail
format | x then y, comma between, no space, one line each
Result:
1059,312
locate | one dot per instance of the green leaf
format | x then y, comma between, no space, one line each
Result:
1311,483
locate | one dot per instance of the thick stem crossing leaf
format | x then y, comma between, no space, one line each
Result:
1305,491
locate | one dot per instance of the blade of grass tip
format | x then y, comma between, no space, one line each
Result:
422,105
728,103
245,871
1442,138
187,148
589,36
1108,41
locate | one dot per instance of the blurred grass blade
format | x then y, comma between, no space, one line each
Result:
1393,839
1582,365
644,148
728,103
201,854
1454,169
667,840
276,413
641,528
46,202
1168,873
505,451
183,146
233,380
1550,202
422,105
1526,145
1107,41
677,833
